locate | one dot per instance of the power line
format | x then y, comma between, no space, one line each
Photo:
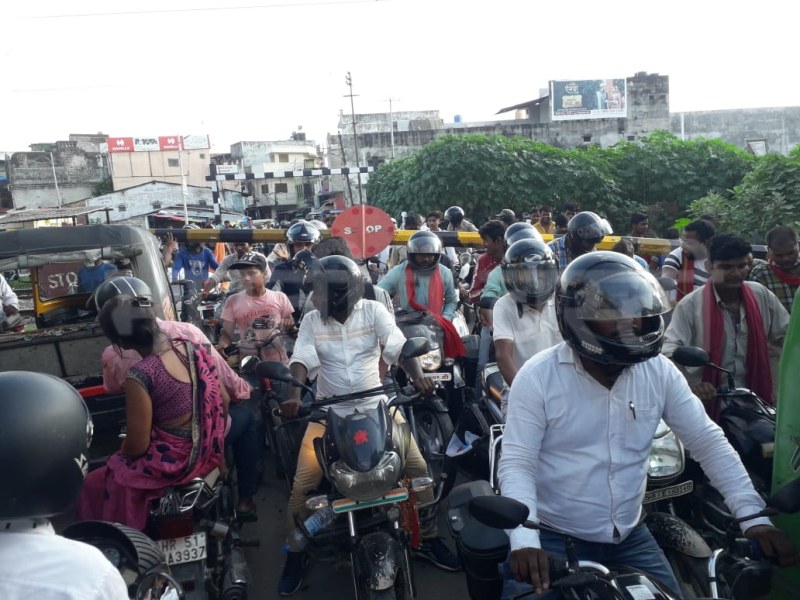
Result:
204,9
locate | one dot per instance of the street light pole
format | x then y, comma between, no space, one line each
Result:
349,81
391,126
184,187
55,179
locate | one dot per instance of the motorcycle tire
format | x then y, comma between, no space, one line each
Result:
690,573
434,430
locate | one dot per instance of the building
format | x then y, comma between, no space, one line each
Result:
278,198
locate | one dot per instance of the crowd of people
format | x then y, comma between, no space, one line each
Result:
580,336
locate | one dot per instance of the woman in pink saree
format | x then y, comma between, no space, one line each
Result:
175,418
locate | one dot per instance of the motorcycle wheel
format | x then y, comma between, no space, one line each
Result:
434,430
690,574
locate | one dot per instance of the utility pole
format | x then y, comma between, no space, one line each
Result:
344,164
349,81
184,187
55,179
391,126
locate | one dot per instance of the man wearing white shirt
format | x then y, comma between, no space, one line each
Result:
8,299
580,425
525,318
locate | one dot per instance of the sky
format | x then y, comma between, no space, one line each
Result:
251,70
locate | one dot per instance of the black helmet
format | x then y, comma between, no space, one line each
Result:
424,242
609,286
302,231
337,284
454,215
117,286
588,226
530,272
521,231
45,435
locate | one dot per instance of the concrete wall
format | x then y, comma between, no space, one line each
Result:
130,169
780,127
147,198
31,181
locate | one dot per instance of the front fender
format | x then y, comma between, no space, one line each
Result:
376,559
435,403
673,533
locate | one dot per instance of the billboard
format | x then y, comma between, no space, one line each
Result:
158,144
588,99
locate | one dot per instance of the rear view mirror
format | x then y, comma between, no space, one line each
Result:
415,346
690,356
498,511
159,586
272,369
248,364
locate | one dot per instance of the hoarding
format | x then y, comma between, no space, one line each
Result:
162,143
588,99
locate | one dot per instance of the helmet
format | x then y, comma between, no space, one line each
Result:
318,224
521,231
337,284
530,272
116,286
609,286
588,226
424,242
45,434
454,215
302,231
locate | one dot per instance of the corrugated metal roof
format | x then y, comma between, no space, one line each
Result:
523,105
40,214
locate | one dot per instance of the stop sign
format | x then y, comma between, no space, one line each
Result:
366,229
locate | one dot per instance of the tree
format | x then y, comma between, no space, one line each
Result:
106,186
768,196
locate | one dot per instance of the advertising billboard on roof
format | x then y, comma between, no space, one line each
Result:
588,99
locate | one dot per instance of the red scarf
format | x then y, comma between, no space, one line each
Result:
785,277
453,346
685,277
759,375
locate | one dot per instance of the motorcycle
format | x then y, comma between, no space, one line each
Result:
749,425
478,519
137,557
370,513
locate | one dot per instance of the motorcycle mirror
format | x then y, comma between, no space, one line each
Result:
787,499
464,271
248,364
159,586
415,346
668,283
273,369
690,356
498,511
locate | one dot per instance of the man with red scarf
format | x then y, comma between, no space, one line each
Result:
781,275
422,283
734,320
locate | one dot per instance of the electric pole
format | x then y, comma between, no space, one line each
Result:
349,81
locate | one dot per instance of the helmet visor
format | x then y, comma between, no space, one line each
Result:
531,279
618,296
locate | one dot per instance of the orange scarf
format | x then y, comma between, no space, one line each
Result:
453,346
759,375
785,277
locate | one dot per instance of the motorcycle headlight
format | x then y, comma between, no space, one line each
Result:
371,484
432,360
666,455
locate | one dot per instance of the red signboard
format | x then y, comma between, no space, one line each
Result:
366,229
169,142
120,144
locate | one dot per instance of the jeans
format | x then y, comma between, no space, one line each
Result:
639,550
243,438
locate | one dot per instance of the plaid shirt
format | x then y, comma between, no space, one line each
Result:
559,248
762,273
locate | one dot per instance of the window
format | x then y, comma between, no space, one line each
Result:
173,162
281,188
202,156
157,205
283,158
265,188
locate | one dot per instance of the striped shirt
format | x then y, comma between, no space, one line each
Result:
675,260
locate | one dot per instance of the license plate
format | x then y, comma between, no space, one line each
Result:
439,376
343,505
185,549
672,491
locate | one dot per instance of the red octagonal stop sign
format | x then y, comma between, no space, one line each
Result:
366,229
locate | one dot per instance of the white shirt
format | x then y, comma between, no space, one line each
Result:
7,295
531,333
576,452
345,355
37,563
686,329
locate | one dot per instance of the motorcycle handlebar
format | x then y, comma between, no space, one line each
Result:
558,567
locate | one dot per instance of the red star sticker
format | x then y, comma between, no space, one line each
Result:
360,437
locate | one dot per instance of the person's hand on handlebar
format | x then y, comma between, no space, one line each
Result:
530,565
705,391
775,544
424,385
290,407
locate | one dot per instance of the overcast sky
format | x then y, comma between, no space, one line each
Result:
258,69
